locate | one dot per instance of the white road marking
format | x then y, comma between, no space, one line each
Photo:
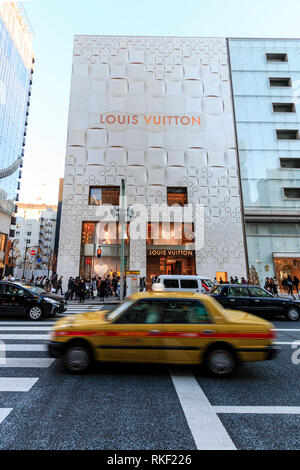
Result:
25,328
285,329
39,362
206,428
26,347
17,384
278,410
23,337
287,344
4,412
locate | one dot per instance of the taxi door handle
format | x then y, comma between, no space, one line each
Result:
257,301
154,332
232,300
209,332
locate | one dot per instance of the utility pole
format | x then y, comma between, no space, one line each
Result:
122,220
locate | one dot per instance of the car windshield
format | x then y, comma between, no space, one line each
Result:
216,290
208,283
121,308
35,290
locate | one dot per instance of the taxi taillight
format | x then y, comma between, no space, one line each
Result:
273,334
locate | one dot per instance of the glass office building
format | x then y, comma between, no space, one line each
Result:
16,68
266,90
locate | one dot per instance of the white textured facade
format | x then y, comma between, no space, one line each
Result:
143,77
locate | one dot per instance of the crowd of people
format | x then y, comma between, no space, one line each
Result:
80,288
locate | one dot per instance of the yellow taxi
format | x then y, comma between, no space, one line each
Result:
157,327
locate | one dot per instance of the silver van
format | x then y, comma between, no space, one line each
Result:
200,284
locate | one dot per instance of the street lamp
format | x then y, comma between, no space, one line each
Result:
122,219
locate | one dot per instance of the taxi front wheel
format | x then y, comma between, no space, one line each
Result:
77,358
220,361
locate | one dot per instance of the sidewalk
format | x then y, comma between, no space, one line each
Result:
96,301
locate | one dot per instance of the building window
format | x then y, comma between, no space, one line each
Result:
177,196
104,195
284,108
277,57
3,238
28,234
174,233
28,241
280,82
287,134
290,163
291,193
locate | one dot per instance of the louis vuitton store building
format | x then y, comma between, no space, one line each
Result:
158,113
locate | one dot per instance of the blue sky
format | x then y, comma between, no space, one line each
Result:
55,23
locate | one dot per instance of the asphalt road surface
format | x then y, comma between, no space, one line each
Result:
133,407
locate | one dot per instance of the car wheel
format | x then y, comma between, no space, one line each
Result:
77,358
35,313
293,314
220,361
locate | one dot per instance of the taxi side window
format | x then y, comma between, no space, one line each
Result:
184,312
142,313
238,292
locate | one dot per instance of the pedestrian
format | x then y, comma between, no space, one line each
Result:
81,291
232,281
296,284
59,285
103,290
290,285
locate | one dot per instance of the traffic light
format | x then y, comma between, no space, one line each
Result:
99,253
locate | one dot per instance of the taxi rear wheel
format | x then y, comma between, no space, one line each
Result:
220,361
77,358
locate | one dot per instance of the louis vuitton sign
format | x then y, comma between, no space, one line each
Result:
187,253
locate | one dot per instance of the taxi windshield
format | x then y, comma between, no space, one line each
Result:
121,308
34,289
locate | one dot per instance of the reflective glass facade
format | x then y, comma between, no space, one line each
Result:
15,77
260,151
257,94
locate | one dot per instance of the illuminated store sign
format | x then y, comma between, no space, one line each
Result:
155,122
171,253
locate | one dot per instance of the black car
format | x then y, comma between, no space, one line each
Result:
255,300
17,299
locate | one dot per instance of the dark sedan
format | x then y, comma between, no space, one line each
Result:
17,299
255,300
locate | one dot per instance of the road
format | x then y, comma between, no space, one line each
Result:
133,407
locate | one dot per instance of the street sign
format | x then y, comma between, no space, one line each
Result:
33,252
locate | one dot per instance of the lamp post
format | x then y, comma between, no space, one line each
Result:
122,220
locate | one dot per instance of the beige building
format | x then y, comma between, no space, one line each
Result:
158,113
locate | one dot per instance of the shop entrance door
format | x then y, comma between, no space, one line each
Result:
174,267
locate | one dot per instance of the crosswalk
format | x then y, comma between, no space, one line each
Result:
22,339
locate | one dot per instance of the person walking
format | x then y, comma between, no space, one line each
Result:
59,286
296,284
81,291
103,290
290,285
